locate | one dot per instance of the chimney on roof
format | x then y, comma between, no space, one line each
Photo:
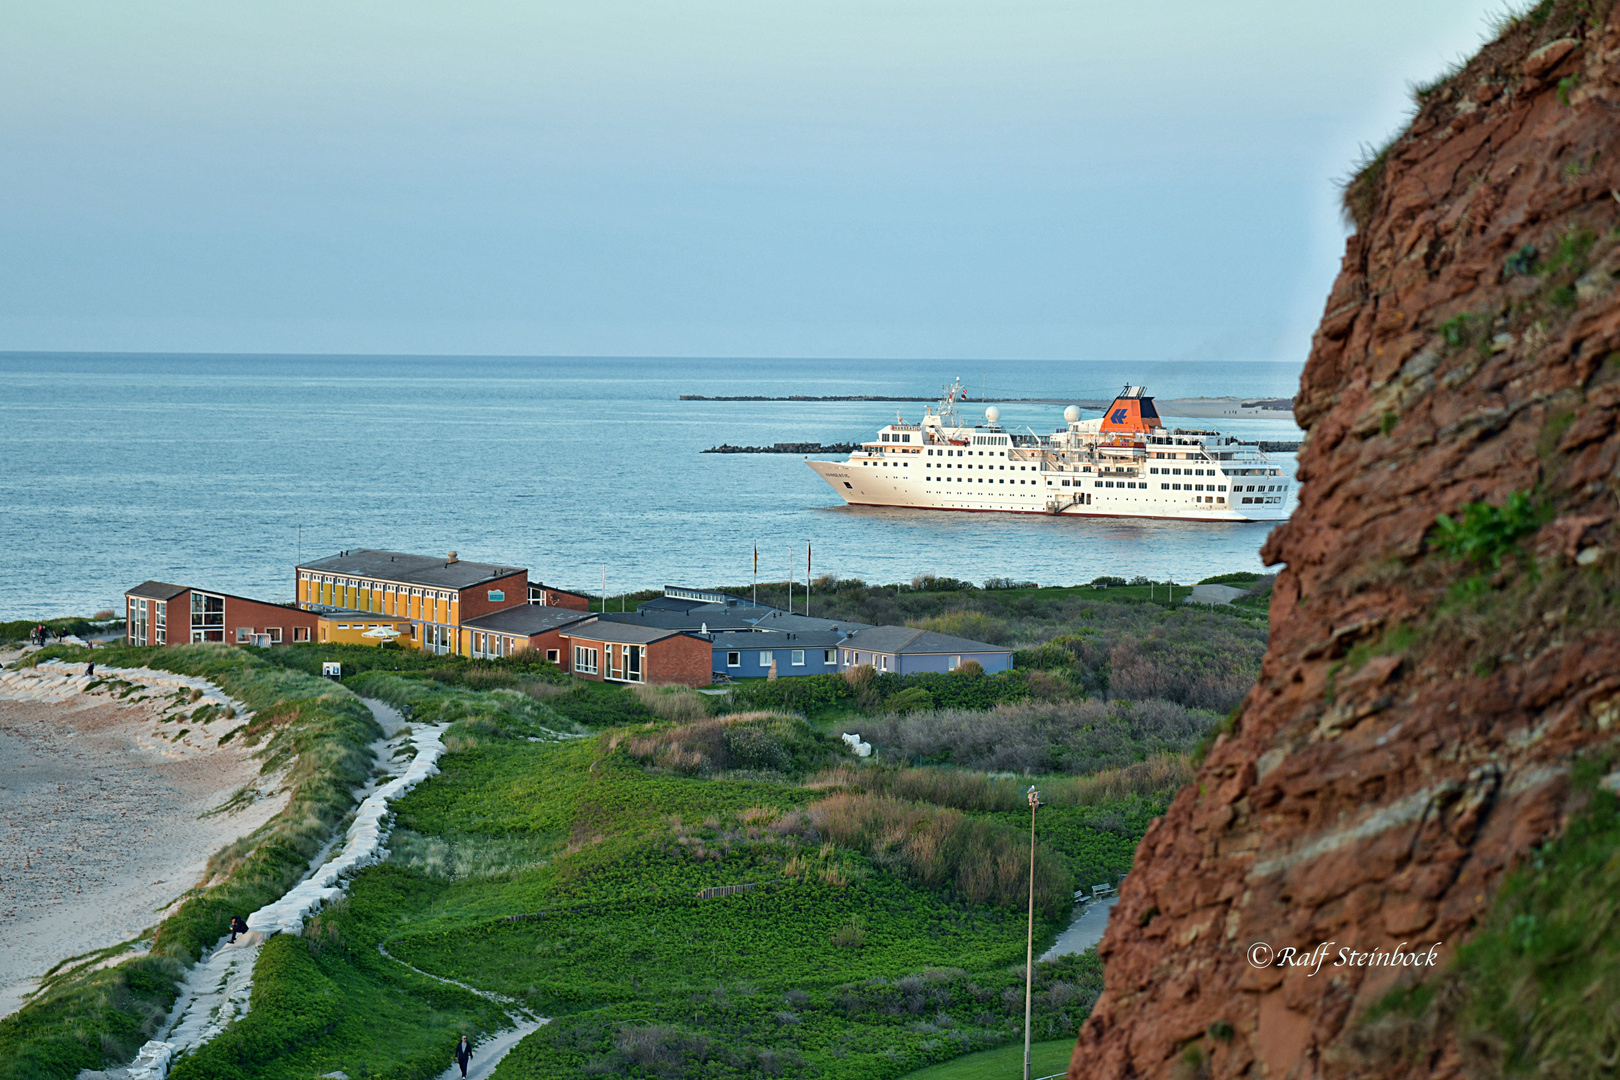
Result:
452,558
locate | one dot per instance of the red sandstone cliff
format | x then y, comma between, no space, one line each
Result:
1403,750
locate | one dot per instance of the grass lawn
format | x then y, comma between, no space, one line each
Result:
1002,1063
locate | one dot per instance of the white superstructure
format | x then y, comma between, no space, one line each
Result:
1122,464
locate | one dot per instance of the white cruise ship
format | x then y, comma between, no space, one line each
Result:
1124,463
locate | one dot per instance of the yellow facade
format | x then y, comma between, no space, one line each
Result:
406,602
398,604
349,628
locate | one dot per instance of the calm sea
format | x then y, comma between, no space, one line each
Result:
218,471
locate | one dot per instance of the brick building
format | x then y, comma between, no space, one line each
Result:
527,626
157,613
549,596
627,653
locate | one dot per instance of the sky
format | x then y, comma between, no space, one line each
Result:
950,178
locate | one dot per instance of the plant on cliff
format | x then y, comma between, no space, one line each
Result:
1484,533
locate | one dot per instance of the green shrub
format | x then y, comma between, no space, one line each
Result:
1242,577
1484,533
1043,657
973,625
756,742
911,699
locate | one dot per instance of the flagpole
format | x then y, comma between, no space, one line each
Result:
807,579
790,581
756,575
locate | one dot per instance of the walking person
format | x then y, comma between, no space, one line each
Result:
463,1054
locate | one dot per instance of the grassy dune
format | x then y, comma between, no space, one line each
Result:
319,731
567,876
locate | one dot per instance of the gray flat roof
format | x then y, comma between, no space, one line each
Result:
527,619
899,640
750,639
432,570
621,633
156,590
715,618
794,623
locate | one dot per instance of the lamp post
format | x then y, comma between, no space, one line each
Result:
1034,798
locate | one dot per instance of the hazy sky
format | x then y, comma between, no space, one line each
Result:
943,178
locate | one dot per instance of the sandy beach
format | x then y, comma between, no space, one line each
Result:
101,826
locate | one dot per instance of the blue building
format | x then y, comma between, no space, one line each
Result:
904,650
748,654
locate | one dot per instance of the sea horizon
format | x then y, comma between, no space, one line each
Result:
223,470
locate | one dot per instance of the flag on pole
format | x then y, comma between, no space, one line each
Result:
807,562
756,560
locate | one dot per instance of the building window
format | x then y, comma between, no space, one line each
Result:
497,594
883,664
798,658
207,617
955,662
300,633
829,656
244,634
137,622
633,672
160,623
733,659
764,658
584,660
551,655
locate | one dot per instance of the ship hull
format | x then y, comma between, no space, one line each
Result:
897,486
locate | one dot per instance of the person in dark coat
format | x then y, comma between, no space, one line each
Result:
463,1054
238,926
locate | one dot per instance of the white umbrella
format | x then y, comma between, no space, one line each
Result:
384,633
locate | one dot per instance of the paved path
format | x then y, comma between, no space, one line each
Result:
489,1050
1215,594
218,988
1084,932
